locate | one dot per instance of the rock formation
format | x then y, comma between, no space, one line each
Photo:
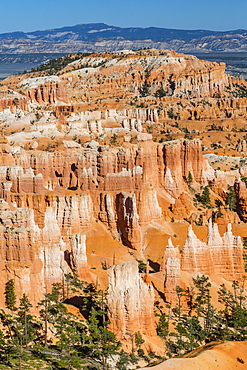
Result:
180,159
45,90
221,255
171,269
106,160
128,225
79,255
130,301
241,194
174,73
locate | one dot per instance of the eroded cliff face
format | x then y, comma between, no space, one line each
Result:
241,192
182,158
118,186
44,90
13,101
171,268
91,177
51,199
176,74
130,302
221,256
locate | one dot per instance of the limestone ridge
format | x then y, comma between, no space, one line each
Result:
108,80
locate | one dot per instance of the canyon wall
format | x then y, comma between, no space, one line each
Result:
50,199
86,159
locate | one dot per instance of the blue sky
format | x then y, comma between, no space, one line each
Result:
31,15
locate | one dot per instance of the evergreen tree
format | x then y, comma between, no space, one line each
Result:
162,326
189,179
231,199
235,312
102,342
123,361
138,342
25,319
202,300
10,296
70,333
205,197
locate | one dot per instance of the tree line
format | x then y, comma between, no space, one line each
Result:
195,321
57,339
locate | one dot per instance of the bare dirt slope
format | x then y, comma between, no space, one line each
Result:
227,356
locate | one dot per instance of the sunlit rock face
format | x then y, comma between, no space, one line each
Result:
85,178
45,90
220,255
79,255
171,267
130,301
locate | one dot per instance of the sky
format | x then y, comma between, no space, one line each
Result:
32,15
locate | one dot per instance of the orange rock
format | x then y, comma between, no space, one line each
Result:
130,302
221,255
212,356
49,92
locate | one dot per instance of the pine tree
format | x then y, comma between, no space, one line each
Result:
102,342
231,199
189,179
25,319
70,333
205,197
123,361
235,312
162,326
10,296
203,305
138,342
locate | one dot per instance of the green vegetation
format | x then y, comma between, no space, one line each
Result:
237,91
231,199
245,253
189,179
215,127
171,113
142,266
200,322
160,93
57,339
10,297
144,90
53,66
204,197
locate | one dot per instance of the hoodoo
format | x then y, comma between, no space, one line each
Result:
123,207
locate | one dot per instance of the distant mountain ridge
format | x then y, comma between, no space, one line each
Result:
97,37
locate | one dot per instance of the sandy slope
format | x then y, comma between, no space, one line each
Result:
227,356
